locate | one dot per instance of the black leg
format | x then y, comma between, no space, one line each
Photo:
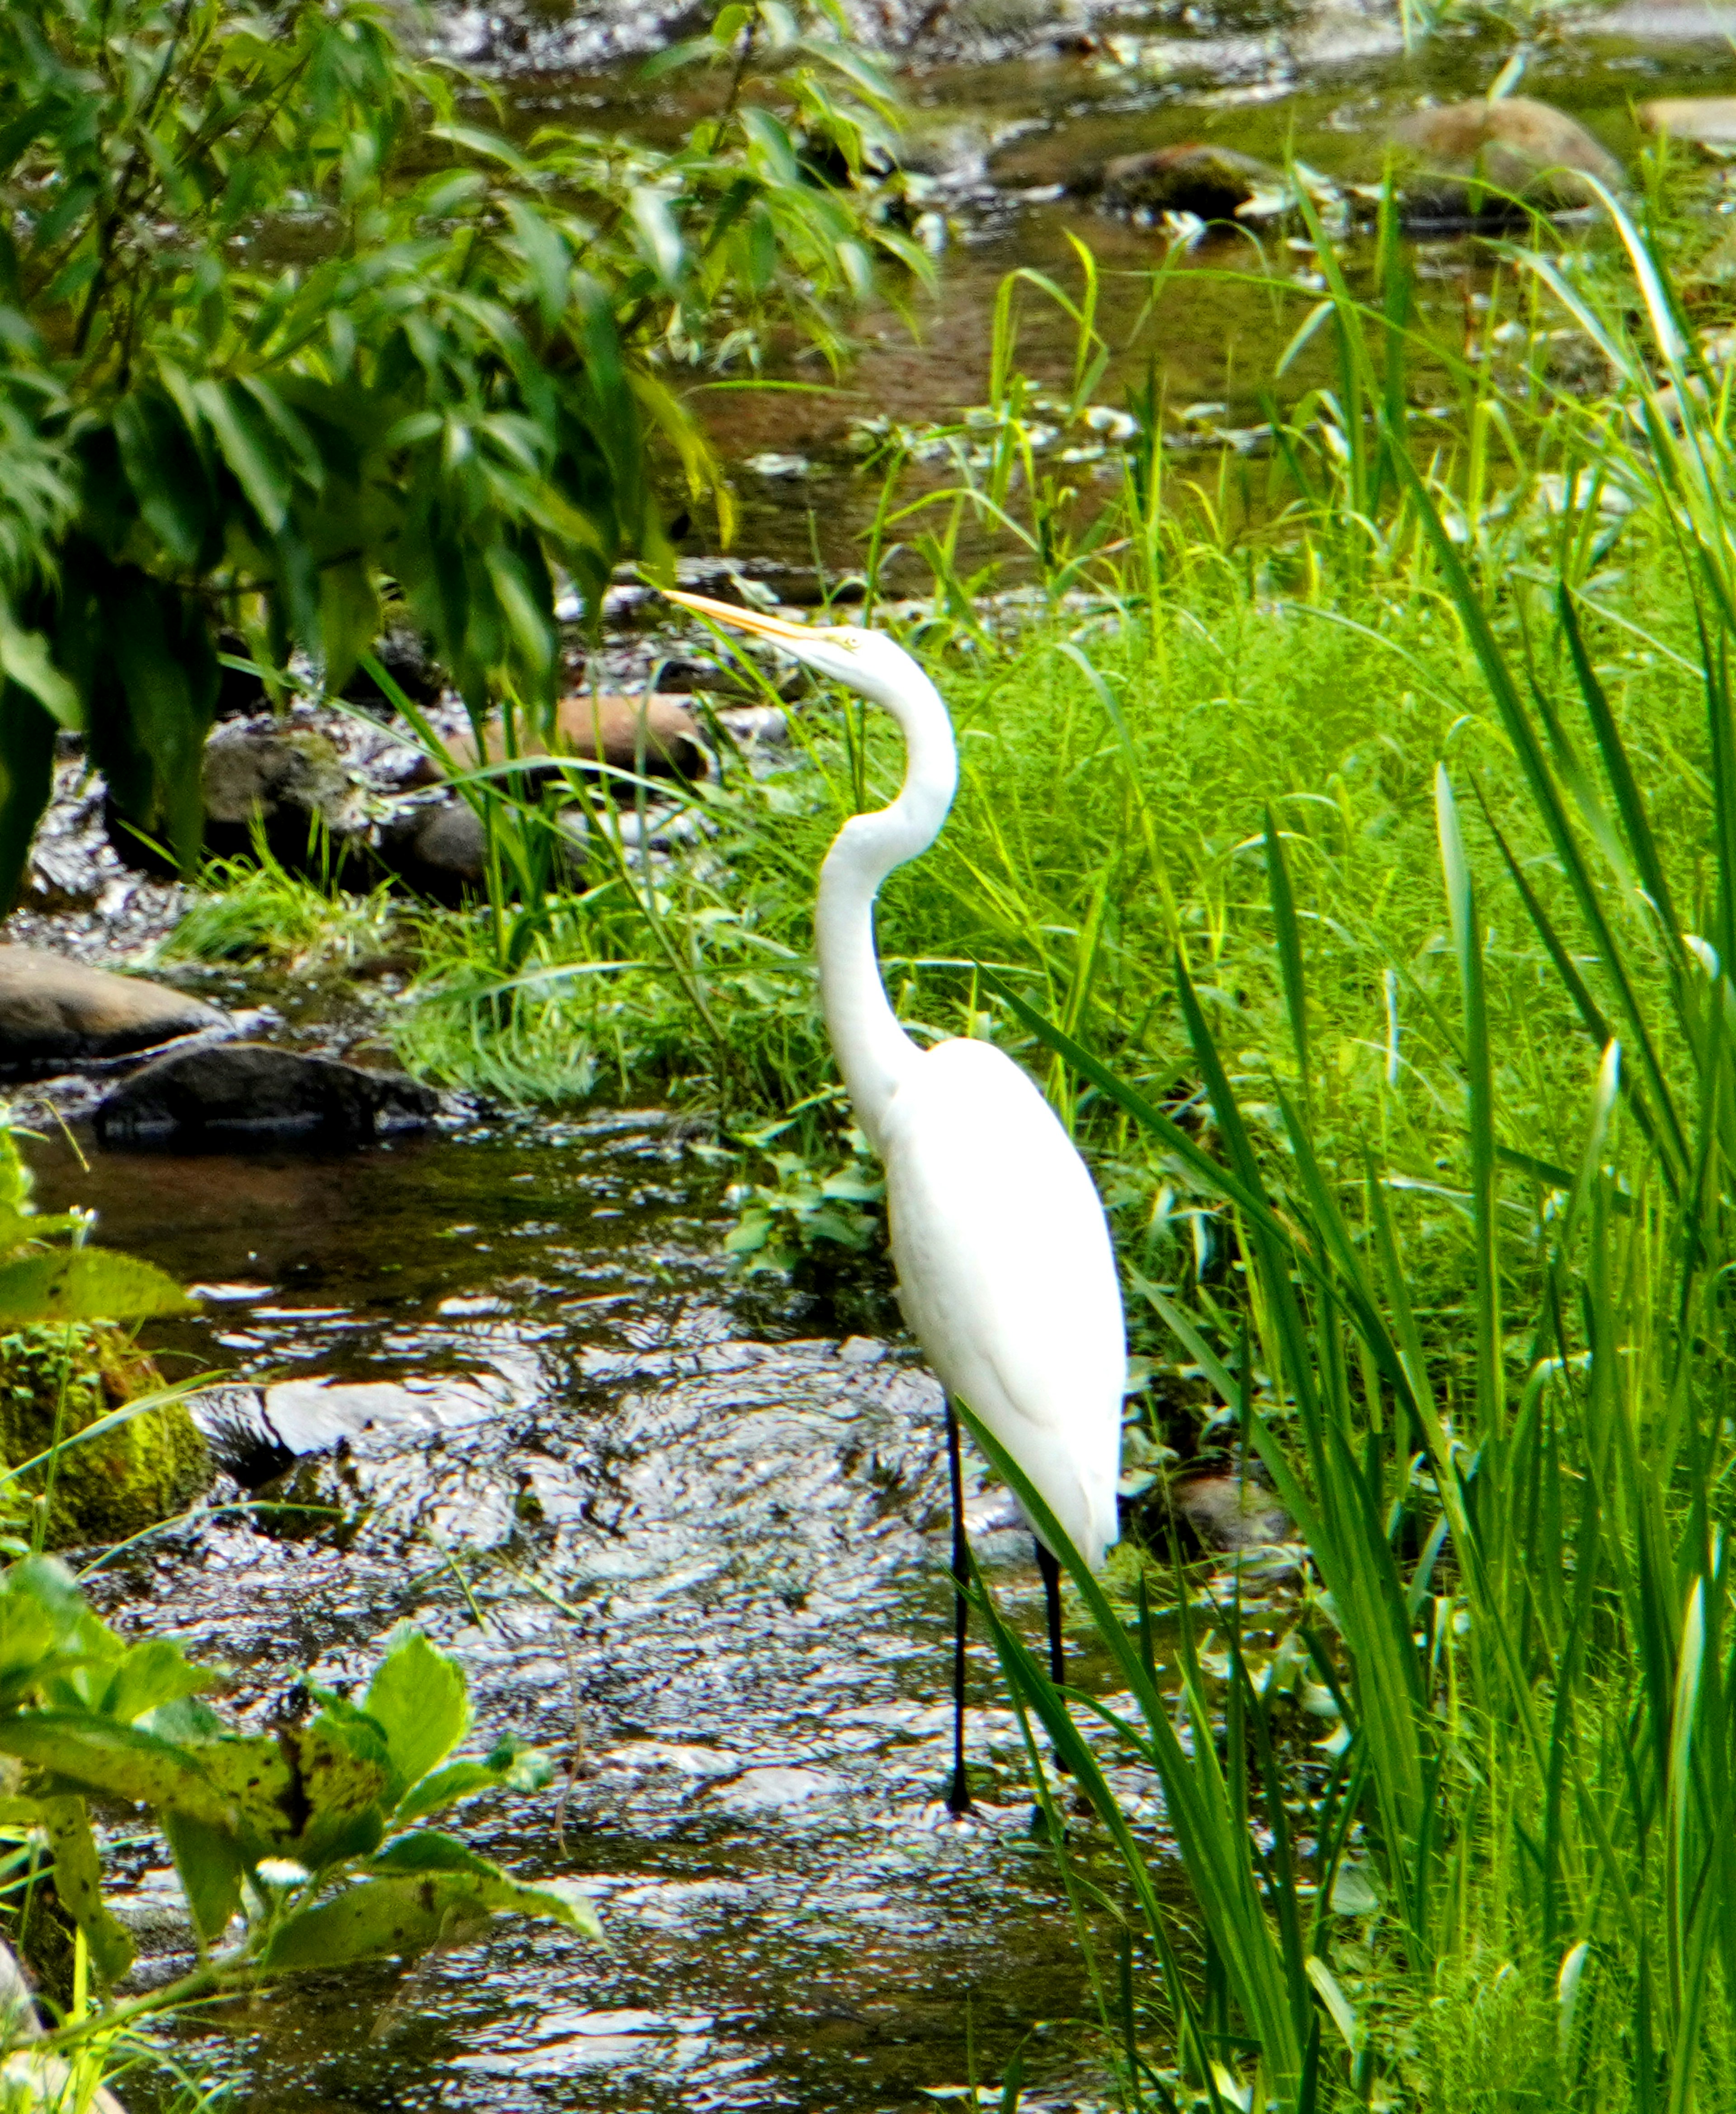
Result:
958,1798
1050,1570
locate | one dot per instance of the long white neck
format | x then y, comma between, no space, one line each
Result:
873,1052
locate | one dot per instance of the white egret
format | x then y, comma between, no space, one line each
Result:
1005,1274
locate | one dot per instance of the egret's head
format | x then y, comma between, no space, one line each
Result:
866,662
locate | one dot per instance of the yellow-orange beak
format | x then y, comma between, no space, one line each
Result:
778,628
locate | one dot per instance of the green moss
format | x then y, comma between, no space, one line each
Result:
55,1381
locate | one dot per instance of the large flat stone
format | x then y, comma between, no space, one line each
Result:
1709,121
242,1089
655,733
56,1013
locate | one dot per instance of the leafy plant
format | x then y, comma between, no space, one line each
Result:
42,1281
314,1835
281,330
803,1211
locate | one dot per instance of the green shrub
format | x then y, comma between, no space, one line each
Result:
279,326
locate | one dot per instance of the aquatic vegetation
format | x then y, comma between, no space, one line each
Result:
1502,1876
249,909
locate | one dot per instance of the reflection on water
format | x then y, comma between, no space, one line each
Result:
569,1450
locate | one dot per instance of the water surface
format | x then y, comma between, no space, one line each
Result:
572,1448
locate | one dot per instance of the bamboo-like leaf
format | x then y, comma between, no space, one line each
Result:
1289,948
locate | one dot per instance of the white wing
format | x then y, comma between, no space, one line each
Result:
1006,1275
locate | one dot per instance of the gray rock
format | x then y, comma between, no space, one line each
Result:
1228,1512
1482,161
438,849
403,653
1708,121
281,776
55,1013
1211,182
242,1089
274,770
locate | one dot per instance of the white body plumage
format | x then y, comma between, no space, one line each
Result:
1006,1275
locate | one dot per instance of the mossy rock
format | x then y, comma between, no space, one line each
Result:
107,1488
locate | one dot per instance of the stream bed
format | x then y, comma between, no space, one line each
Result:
567,1443
999,140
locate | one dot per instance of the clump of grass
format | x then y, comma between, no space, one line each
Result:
253,909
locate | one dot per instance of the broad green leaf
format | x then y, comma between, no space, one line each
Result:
349,618
512,1766
251,450
78,1881
448,1786
185,1723
547,256
403,1917
211,1867
45,1583
662,238
1355,1893
153,1672
27,1634
84,1753
256,1796
164,467
418,1700
344,1769
86,1284
427,1849
25,659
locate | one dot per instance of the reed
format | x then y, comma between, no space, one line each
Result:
1514,1604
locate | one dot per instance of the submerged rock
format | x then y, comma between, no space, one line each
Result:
1211,182
1229,1512
239,1089
54,1013
63,1378
1493,160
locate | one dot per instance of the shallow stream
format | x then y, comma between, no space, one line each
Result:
1002,138
570,1447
